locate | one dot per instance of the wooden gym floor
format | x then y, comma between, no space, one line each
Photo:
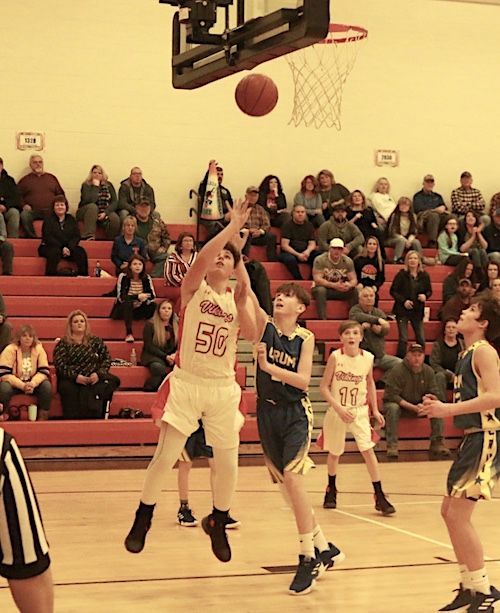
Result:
399,563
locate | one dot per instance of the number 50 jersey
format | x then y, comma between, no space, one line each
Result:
208,333
349,380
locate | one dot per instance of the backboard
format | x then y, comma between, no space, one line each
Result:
214,39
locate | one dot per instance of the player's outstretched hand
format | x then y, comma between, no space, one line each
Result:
432,407
239,212
240,238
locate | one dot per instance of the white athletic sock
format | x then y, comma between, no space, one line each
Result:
224,480
319,539
464,577
307,545
169,448
479,581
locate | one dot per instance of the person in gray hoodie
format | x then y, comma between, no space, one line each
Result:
338,227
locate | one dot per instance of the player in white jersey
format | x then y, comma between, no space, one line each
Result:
348,387
203,383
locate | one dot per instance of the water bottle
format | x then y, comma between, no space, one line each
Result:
133,357
97,269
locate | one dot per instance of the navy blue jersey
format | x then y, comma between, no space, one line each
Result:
468,385
283,351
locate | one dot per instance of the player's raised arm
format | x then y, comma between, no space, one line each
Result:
209,252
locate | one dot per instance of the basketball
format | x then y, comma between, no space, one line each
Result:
256,95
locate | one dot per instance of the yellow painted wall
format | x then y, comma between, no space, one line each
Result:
94,76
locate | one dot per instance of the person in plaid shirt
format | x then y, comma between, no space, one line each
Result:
259,225
467,198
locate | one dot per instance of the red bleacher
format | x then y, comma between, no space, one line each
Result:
45,302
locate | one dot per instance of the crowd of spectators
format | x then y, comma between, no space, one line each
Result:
345,237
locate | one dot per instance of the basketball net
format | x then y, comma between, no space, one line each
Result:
319,73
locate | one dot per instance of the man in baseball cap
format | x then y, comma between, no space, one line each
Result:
430,210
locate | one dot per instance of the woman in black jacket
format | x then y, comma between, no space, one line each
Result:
135,295
160,343
369,266
60,238
273,199
410,289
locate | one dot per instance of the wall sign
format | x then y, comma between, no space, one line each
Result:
386,157
30,140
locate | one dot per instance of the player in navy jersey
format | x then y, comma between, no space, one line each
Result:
476,409
284,417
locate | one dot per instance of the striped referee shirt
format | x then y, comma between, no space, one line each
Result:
22,537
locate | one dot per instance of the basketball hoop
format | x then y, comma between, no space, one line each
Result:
319,73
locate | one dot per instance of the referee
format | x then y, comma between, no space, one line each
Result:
24,557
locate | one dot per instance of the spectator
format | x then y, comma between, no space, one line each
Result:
430,209
448,252
135,295
464,270
214,200
98,204
467,198
382,202
491,272
310,198
180,260
331,193
406,386
10,202
258,225
410,289
471,239
452,309
492,235
153,231
60,238
5,327
131,191
334,277
369,266
495,288
24,369
82,365
375,328
6,249
401,230
338,227
298,244
38,190
160,344
444,356
127,244
364,218
273,199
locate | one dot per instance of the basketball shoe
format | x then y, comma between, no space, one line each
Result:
383,505
330,500
463,599
483,603
231,523
216,530
136,538
328,558
305,576
185,517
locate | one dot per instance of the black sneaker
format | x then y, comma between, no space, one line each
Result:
483,603
231,523
383,505
330,500
462,599
142,523
217,533
186,518
328,558
306,574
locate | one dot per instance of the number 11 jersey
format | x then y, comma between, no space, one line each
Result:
349,380
208,334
